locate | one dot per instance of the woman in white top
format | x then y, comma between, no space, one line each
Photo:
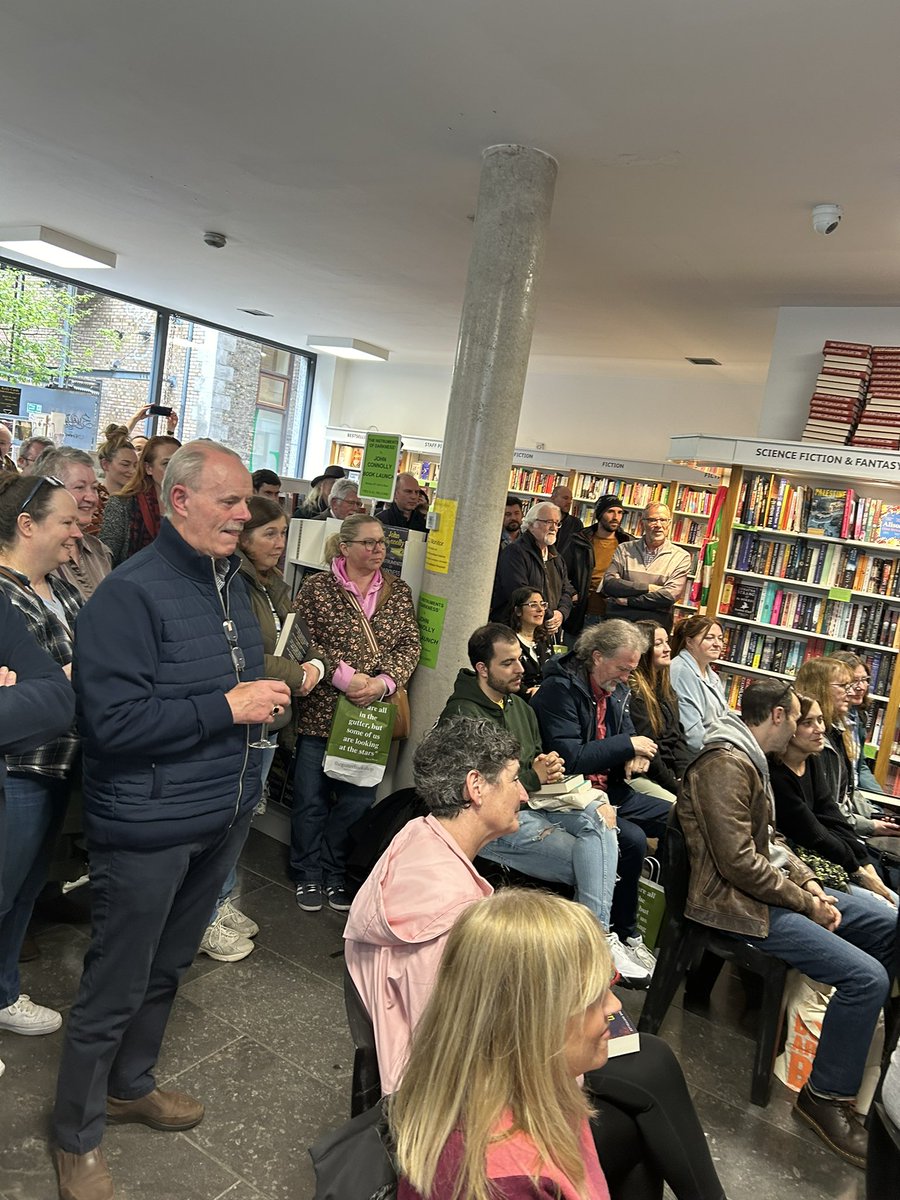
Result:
696,645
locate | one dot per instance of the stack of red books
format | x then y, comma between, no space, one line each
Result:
879,423
841,385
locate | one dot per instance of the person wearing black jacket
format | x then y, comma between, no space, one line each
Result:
807,813
37,703
654,710
588,553
533,562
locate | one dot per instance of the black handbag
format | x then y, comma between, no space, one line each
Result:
356,1162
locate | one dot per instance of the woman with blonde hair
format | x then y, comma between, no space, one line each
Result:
829,681
132,517
491,1103
364,621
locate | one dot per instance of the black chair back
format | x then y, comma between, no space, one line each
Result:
366,1085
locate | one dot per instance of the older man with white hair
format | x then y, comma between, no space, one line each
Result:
170,699
343,501
533,561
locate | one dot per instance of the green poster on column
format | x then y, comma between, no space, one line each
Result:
431,613
379,466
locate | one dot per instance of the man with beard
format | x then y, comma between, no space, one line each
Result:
533,562
577,847
512,521
569,525
745,881
588,554
646,577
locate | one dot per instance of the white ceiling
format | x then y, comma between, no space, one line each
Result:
337,144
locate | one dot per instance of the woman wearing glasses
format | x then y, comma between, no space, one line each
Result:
696,645
38,525
338,605
527,613
857,714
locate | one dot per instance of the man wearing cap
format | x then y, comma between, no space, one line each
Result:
588,555
403,512
316,502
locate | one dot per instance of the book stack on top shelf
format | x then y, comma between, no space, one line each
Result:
837,401
879,424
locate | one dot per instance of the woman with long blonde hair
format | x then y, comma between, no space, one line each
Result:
491,1102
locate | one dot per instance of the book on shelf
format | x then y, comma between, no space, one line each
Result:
853,349
826,511
888,530
745,600
294,640
623,1035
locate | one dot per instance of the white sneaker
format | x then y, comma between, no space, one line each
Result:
29,1018
640,953
236,920
632,973
224,944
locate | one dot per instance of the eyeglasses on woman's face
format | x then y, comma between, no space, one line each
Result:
368,544
536,604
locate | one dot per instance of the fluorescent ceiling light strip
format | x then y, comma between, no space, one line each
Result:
59,249
346,347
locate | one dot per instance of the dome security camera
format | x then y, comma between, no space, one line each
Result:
826,217
218,240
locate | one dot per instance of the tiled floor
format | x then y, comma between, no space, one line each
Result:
263,1043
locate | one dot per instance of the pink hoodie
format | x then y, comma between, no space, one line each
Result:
397,929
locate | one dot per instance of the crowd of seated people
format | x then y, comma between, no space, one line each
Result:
613,696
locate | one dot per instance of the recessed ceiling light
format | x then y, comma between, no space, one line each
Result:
346,347
58,249
704,362
255,312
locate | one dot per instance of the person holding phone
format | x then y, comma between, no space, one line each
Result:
131,518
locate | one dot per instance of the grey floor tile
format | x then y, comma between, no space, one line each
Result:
147,1165
267,857
53,978
314,940
758,1162
242,1191
262,1113
193,1034
278,1003
247,882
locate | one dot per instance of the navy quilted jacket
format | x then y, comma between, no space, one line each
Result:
163,762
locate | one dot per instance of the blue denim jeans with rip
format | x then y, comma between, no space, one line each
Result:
573,847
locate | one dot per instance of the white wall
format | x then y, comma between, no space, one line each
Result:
594,406
796,359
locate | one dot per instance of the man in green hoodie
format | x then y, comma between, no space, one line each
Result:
578,847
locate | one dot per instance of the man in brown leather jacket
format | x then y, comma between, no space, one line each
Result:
745,881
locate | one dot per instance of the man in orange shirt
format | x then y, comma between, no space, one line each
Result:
588,554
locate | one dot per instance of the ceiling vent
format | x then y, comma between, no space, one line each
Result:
704,362
255,312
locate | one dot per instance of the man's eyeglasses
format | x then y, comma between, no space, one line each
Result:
657,520
38,484
547,521
370,544
237,654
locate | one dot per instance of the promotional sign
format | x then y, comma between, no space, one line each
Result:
431,613
440,539
381,457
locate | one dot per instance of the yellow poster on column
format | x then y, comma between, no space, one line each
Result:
440,540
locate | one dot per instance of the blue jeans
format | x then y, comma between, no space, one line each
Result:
35,808
571,847
858,960
267,757
324,809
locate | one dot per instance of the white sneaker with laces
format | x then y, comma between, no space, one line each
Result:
28,1018
236,920
632,973
640,954
224,944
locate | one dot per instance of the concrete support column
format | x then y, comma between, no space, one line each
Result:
511,221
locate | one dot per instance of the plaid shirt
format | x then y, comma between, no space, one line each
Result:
55,757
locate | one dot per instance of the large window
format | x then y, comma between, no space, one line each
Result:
248,394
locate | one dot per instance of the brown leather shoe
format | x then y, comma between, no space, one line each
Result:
836,1123
169,1111
83,1176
